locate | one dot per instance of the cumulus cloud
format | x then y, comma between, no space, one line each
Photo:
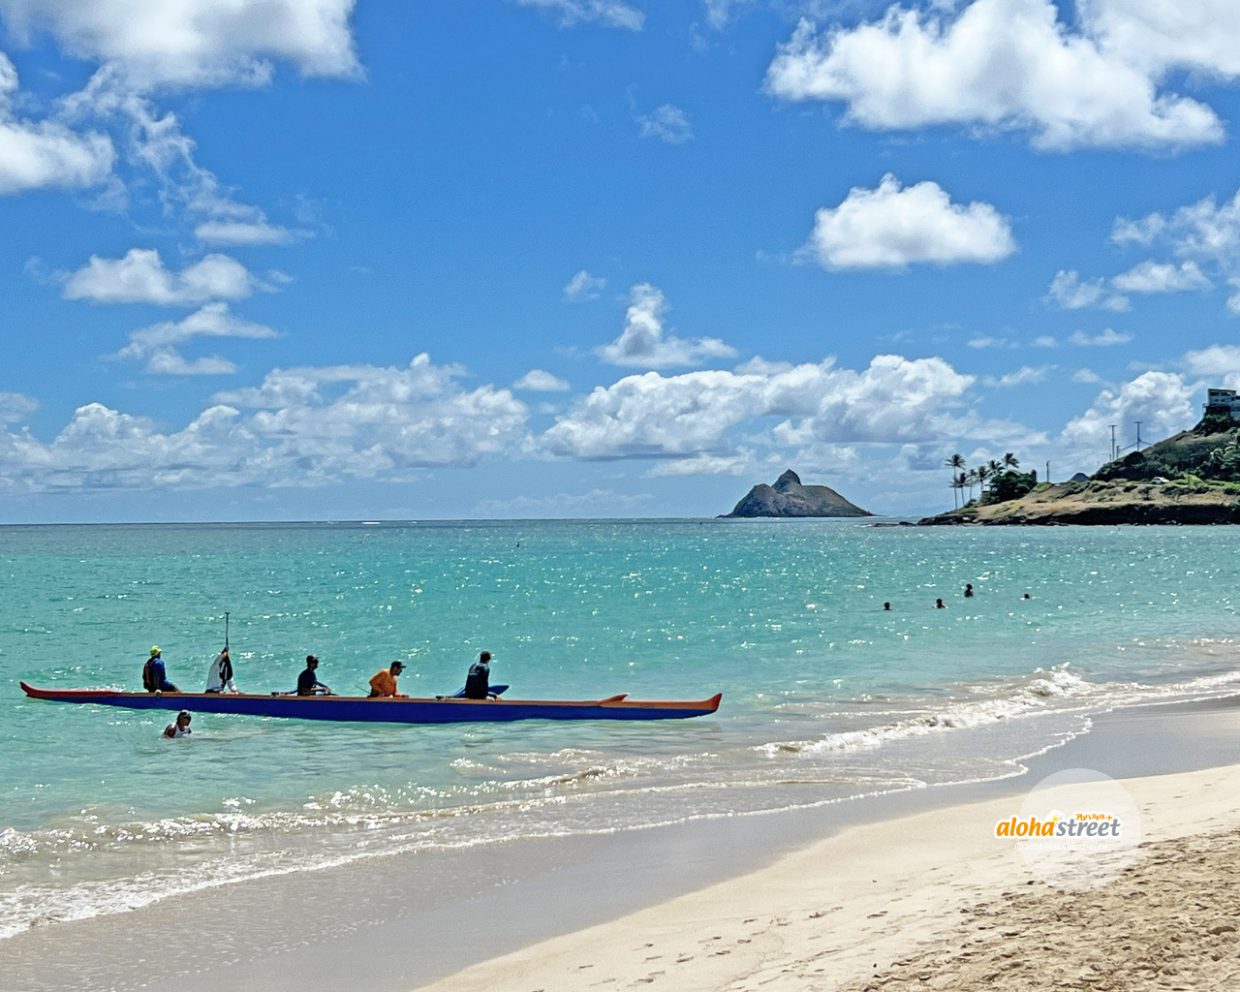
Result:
683,416
583,286
1161,277
643,343
140,277
1216,360
195,42
1203,35
47,153
299,427
538,381
1007,64
1205,230
893,227
1162,401
668,123
157,345
1071,292
1108,338
608,13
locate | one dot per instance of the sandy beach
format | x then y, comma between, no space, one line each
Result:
932,901
901,891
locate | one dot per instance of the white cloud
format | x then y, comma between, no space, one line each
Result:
16,407
1201,35
739,463
668,123
583,286
1214,361
1022,376
1161,277
683,416
1108,338
538,381
1045,341
1162,401
42,154
157,345
1071,292
1086,376
243,233
609,13
989,341
643,344
195,42
300,427
999,63
891,227
1204,230
140,277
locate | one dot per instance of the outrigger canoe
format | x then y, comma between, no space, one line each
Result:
360,709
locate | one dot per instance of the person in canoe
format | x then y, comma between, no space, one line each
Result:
154,675
383,682
220,674
181,727
308,683
478,681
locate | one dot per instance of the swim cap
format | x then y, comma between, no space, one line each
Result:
154,650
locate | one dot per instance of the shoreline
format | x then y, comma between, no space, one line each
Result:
931,900
412,920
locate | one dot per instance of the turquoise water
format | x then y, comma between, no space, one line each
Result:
826,696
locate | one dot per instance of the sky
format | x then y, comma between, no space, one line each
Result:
367,259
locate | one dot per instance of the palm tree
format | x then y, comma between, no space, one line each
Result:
971,480
959,481
983,473
995,466
1011,461
955,462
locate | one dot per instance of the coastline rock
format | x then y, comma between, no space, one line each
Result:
1112,501
789,498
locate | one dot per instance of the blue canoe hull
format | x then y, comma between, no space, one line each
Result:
357,709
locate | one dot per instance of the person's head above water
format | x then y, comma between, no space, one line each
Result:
183,718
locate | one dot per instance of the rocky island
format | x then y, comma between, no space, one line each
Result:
789,498
1190,478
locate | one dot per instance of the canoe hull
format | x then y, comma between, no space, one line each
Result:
359,709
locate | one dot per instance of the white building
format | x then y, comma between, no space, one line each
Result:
1224,401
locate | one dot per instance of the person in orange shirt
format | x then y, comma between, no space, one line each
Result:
383,682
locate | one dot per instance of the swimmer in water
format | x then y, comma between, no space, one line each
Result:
181,727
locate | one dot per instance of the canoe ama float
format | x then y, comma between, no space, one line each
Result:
361,709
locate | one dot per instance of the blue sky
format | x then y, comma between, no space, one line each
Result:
336,259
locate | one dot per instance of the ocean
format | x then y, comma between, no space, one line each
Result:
827,697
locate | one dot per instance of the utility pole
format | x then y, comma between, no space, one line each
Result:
1114,450
1138,435
1048,472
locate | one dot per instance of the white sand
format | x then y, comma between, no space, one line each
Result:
929,901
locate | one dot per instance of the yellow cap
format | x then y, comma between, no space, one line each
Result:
154,650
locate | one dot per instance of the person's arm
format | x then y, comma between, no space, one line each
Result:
170,730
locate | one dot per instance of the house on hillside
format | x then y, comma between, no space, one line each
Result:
1222,402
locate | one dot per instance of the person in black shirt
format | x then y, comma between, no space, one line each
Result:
308,683
478,681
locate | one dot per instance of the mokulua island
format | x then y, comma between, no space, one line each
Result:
1190,478
789,498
